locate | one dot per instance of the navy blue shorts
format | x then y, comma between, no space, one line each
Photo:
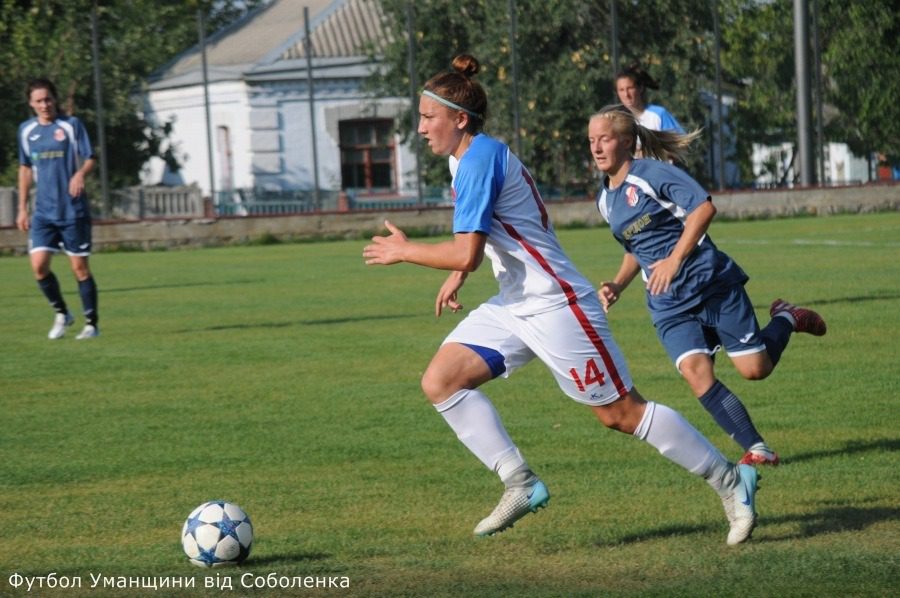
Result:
723,320
73,237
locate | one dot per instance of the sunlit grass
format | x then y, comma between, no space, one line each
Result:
285,378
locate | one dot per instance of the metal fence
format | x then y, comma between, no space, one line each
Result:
187,202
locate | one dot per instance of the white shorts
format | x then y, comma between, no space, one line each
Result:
574,341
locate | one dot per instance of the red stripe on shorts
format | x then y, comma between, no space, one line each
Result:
582,318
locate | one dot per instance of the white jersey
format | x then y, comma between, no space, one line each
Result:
494,194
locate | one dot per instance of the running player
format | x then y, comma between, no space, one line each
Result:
55,152
545,309
695,293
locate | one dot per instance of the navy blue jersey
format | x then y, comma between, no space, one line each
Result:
646,214
54,152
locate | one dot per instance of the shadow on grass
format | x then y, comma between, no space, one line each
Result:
662,532
838,300
183,285
286,558
322,322
832,520
849,448
825,521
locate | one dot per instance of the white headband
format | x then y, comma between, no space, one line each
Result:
450,104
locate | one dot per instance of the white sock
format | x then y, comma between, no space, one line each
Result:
477,424
761,448
678,441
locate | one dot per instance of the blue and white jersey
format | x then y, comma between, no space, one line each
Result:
646,214
657,118
54,152
494,194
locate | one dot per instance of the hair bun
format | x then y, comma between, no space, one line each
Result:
466,65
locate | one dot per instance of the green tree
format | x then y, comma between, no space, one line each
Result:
862,74
860,68
565,69
52,38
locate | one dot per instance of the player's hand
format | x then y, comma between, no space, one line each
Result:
609,293
76,185
22,220
447,295
386,250
662,273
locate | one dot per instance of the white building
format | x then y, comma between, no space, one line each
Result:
259,99
773,165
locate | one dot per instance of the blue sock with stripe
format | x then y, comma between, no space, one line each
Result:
731,415
88,290
776,336
49,285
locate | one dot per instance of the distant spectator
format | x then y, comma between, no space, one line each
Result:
632,84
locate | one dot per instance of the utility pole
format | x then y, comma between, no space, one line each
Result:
101,127
804,122
614,41
413,95
307,47
515,77
720,137
201,31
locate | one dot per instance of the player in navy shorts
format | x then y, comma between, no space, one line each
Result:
544,309
695,292
55,154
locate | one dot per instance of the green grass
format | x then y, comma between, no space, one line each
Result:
286,378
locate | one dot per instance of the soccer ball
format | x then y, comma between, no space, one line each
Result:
217,533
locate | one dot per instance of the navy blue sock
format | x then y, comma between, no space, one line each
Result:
730,414
49,285
776,336
88,290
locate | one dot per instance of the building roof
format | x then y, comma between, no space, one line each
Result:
276,33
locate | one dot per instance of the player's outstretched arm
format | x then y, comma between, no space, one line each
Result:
610,290
463,253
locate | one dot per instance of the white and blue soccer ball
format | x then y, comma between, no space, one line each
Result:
217,533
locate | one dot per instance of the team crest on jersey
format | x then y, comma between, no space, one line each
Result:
632,194
59,135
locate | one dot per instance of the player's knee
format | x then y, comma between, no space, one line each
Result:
623,415
757,367
435,386
756,371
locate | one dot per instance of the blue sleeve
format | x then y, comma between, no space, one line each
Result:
668,122
84,141
24,158
680,188
479,180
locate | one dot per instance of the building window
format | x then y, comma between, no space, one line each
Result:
367,155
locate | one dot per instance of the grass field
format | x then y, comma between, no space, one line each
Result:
285,378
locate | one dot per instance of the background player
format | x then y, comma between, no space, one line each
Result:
632,84
55,152
695,293
545,309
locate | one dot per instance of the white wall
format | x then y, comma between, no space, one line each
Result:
842,167
269,126
228,107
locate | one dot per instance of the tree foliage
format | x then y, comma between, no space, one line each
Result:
52,38
566,71
564,61
860,73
